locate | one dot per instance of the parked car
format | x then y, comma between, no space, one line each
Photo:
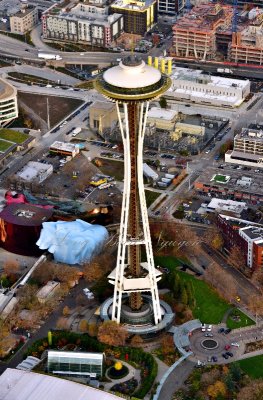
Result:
229,354
235,344
224,355
203,327
228,330
209,334
214,358
209,328
227,346
221,330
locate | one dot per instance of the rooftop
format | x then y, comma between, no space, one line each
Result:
70,147
24,385
255,187
205,17
25,214
24,11
157,112
134,5
198,76
250,134
33,169
103,105
226,205
253,232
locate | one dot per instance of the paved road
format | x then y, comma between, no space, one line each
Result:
49,324
176,379
44,72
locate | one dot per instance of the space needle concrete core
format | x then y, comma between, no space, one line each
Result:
131,85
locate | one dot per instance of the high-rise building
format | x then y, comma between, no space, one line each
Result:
171,7
132,85
139,16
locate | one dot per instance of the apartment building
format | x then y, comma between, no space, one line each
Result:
24,20
247,44
86,22
248,148
194,35
248,236
139,16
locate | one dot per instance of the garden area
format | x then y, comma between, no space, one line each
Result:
13,136
135,356
237,319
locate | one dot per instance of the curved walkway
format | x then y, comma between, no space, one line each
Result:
181,335
133,373
174,378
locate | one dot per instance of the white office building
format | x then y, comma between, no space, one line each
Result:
193,86
248,149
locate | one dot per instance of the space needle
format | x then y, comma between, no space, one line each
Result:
132,85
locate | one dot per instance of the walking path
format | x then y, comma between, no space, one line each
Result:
133,373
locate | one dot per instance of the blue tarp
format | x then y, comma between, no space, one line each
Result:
73,242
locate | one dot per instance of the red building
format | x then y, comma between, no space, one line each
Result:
20,226
248,236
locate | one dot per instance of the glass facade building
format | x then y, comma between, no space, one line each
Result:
70,363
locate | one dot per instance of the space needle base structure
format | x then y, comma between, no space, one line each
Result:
132,85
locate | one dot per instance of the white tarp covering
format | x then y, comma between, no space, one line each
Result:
72,242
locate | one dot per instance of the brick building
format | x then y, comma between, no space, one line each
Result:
248,236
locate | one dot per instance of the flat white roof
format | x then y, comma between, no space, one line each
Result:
23,385
32,169
157,112
64,146
193,75
226,205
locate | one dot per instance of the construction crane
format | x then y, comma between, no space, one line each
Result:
235,16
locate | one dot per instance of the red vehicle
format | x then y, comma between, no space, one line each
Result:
227,346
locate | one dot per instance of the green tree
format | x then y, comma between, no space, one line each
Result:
163,102
184,297
236,372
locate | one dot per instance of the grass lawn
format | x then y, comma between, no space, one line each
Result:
112,168
169,262
244,321
4,145
209,308
13,136
252,366
151,197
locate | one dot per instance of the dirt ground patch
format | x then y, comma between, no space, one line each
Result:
59,107
113,168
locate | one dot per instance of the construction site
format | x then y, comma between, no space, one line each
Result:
220,32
